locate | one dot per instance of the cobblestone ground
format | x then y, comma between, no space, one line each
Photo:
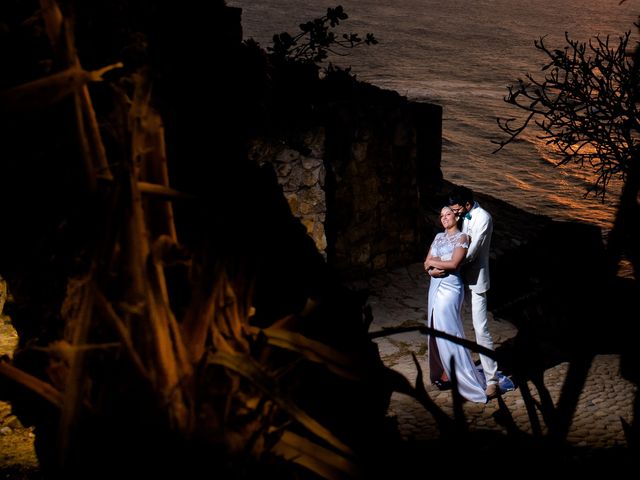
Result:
398,298
17,455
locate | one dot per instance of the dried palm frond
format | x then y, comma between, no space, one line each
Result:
200,367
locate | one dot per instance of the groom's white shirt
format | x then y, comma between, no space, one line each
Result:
479,227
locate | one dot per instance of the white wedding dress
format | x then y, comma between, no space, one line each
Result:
445,314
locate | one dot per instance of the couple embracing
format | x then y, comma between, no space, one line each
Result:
459,258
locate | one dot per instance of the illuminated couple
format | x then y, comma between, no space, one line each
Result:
458,260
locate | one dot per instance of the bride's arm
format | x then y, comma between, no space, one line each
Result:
449,265
427,260
459,253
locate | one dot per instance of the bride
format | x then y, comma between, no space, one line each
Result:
446,293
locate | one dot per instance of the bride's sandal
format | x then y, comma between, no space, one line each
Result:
442,384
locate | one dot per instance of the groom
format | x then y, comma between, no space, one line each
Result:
478,224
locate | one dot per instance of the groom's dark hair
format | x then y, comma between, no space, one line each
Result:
460,196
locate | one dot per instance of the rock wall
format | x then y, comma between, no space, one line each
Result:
379,148
356,181
301,174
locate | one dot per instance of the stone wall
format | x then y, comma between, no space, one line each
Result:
301,174
378,145
357,181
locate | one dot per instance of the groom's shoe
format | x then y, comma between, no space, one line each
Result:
492,391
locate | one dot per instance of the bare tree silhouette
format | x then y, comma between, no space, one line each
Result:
587,109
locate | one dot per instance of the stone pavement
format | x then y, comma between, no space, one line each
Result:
17,453
398,298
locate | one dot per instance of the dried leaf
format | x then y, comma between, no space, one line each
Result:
248,368
324,462
312,350
34,384
48,90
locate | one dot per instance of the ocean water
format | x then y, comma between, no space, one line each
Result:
462,54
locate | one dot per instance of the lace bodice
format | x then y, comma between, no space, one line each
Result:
444,245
